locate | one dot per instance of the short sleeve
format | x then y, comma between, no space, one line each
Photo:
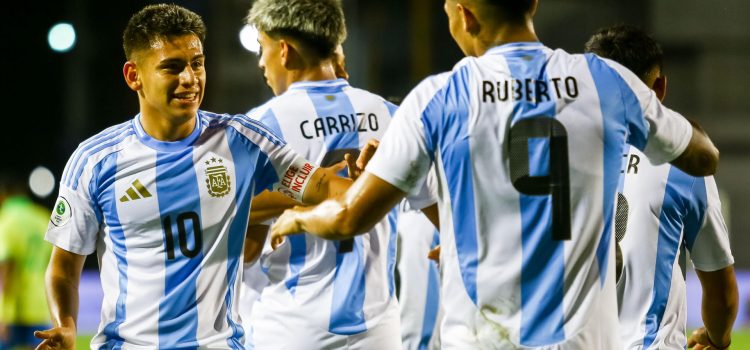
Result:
279,167
706,233
427,194
668,133
404,156
74,225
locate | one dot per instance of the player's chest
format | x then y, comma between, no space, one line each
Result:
148,190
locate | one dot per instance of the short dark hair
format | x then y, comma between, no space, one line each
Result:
512,10
629,46
317,24
160,21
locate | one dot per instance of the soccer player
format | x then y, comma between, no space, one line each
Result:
23,256
322,294
527,144
667,210
164,200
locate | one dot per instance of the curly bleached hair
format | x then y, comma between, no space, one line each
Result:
317,24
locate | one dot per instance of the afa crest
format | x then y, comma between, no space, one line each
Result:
218,182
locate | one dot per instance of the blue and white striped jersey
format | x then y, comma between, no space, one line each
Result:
341,287
527,145
168,222
419,292
667,210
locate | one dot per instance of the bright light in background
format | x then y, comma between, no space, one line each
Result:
41,182
249,39
61,37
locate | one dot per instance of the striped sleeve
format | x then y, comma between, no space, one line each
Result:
706,233
405,153
75,221
281,169
669,133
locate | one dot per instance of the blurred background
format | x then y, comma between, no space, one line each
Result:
62,62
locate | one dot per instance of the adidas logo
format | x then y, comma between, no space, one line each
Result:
135,191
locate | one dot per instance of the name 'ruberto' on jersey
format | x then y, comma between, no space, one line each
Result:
530,90
329,125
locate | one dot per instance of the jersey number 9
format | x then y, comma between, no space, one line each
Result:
555,182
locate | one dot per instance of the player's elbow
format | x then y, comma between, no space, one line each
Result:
349,224
701,161
706,162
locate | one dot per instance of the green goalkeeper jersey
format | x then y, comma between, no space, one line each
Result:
24,250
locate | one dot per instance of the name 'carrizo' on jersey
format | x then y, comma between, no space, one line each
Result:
329,125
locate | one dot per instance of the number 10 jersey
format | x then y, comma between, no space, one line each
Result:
527,146
168,222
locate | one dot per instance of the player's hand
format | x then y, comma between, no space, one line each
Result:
57,338
338,166
434,254
357,167
285,225
699,341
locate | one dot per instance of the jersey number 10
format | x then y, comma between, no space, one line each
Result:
182,234
555,182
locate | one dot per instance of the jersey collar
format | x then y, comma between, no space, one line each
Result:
320,85
517,46
167,146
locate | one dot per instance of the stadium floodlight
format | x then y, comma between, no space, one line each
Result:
41,182
249,39
61,37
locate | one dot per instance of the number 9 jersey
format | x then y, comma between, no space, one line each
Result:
168,221
527,145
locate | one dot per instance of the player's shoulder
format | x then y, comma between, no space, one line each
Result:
114,133
365,97
245,126
95,148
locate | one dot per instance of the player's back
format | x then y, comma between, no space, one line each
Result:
528,144
668,211
327,280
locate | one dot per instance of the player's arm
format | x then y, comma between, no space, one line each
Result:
718,308
61,281
269,204
324,184
431,213
255,239
701,157
358,210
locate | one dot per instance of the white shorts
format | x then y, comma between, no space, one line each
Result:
288,331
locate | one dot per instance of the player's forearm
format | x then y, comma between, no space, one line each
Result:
331,220
719,305
701,157
62,297
325,184
61,281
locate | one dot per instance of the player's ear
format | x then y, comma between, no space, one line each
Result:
534,5
291,57
284,53
468,20
130,72
660,87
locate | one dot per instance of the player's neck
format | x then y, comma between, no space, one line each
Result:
505,35
314,73
167,129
